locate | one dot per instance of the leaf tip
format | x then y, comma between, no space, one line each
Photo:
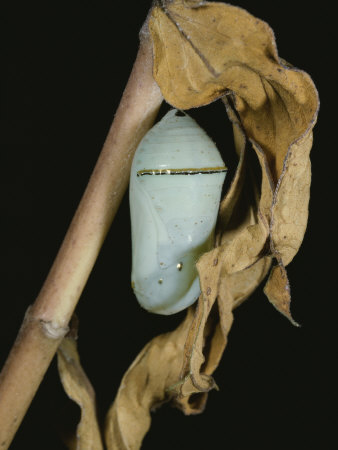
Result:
277,289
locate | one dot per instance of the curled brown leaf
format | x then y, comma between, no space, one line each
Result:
277,289
204,51
290,206
80,390
148,383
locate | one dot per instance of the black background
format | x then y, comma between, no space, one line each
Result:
64,69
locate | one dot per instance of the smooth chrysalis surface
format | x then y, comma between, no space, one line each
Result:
175,187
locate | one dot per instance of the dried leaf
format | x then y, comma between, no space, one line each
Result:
212,322
245,250
147,384
207,336
277,289
208,333
290,207
204,51
245,233
194,380
211,48
79,389
231,199
201,53
240,285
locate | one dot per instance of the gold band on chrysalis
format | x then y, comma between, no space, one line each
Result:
188,171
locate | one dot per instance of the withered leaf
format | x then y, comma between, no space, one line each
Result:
238,286
204,51
201,53
290,206
207,336
277,289
147,384
245,231
79,389
193,379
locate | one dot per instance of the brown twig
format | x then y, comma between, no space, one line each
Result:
46,322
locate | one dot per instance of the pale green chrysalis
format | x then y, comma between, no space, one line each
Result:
175,187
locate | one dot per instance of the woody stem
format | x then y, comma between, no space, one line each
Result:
46,321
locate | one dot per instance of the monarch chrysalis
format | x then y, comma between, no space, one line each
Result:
175,187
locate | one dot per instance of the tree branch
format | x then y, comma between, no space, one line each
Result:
46,322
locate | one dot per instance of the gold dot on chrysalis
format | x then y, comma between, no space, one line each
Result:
160,281
179,266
